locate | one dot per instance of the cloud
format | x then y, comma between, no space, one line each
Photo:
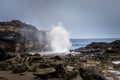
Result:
93,17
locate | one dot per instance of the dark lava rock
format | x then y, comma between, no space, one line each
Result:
115,44
90,73
70,72
35,58
6,55
19,68
116,66
4,66
18,36
97,45
10,55
2,55
57,58
34,67
44,73
102,50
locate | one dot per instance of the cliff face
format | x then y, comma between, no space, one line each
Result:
18,36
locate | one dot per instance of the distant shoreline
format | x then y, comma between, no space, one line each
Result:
78,43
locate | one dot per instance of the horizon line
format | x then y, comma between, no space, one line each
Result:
97,38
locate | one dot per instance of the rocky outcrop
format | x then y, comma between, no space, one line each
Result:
101,46
16,36
97,45
102,50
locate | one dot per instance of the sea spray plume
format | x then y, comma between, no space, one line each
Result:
59,39
56,41
44,42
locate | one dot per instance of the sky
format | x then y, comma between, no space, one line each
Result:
82,18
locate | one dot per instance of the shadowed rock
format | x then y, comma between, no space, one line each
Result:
44,73
90,73
16,36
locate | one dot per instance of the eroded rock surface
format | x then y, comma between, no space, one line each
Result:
16,36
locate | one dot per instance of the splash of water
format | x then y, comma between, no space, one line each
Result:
59,39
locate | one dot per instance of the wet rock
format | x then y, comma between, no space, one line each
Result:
116,66
34,67
57,58
10,55
44,73
90,73
111,50
4,66
35,58
19,68
70,72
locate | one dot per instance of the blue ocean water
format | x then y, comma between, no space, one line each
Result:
77,43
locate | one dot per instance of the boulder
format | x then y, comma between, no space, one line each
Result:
34,67
44,73
70,72
19,68
36,57
91,73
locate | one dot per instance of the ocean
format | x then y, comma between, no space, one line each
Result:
77,43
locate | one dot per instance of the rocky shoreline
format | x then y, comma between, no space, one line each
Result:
21,57
74,66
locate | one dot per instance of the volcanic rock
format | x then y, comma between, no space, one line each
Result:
90,73
97,45
70,72
44,73
16,36
19,68
102,50
4,66
2,55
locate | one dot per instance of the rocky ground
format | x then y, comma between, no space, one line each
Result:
37,67
74,66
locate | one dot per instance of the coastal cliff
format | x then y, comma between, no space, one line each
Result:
18,36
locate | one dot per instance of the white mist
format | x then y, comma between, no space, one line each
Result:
59,42
59,39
